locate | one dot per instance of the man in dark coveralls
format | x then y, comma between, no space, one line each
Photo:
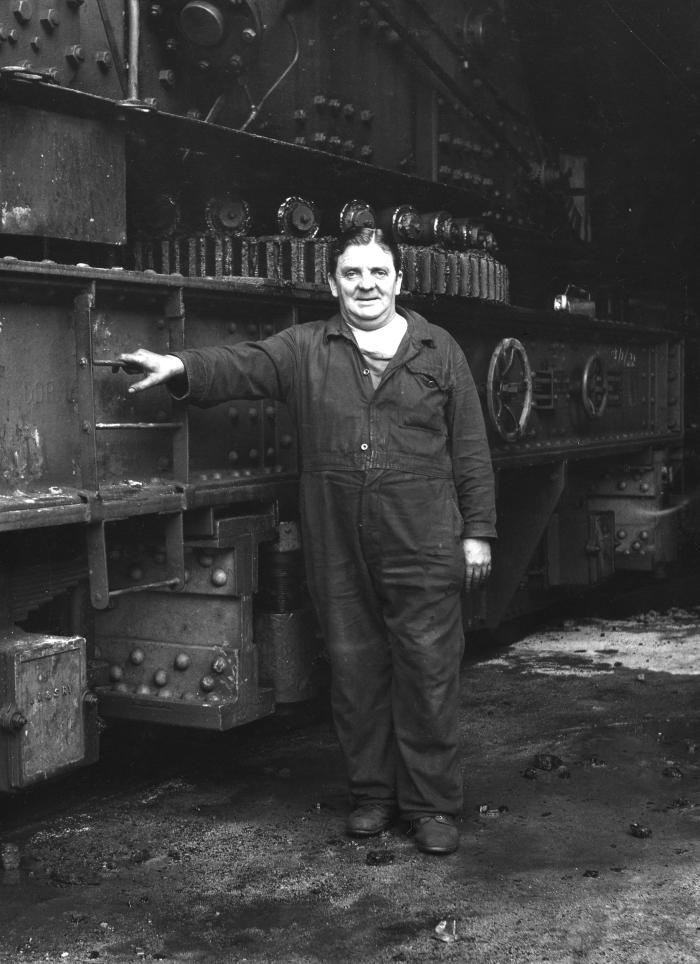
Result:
397,512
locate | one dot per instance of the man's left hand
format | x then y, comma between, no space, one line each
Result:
477,558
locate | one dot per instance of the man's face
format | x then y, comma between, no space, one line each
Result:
366,284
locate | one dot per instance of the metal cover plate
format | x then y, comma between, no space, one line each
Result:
62,177
49,692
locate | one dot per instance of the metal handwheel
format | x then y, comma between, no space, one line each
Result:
594,387
509,389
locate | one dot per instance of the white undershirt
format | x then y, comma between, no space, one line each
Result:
379,345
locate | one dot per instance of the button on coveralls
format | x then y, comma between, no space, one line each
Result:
392,480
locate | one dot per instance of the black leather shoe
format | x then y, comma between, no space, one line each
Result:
369,819
435,834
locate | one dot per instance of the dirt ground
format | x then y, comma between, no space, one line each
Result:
579,841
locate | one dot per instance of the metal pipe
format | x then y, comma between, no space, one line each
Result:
133,50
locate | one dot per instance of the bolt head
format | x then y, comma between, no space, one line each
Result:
22,9
75,55
219,664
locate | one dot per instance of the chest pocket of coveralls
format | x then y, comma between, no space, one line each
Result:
425,394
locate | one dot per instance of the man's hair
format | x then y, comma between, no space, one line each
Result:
362,235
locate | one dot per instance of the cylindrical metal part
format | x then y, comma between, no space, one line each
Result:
464,234
403,223
298,218
227,215
288,649
436,228
357,214
133,47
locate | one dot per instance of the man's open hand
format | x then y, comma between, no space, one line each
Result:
157,368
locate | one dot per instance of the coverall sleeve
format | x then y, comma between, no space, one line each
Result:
255,369
471,457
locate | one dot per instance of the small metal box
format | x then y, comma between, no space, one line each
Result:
48,719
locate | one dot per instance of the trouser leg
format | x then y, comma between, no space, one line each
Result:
427,643
343,592
419,577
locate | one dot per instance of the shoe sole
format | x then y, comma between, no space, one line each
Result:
438,851
367,833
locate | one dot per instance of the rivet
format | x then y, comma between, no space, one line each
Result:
143,689
207,683
182,662
219,577
116,673
219,664
160,677
137,656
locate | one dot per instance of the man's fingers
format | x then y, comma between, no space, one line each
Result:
477,574
144,383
